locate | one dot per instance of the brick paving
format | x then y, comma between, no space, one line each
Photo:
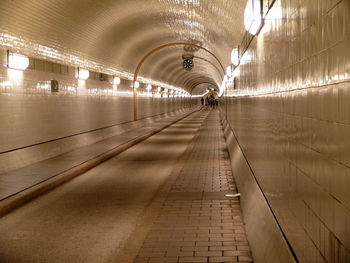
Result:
197,223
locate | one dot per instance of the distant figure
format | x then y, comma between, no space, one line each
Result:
202,101
216,103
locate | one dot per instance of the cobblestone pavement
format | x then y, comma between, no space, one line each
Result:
197,223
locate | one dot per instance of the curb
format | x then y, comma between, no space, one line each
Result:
18,199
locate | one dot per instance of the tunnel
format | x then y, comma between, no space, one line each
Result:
156,131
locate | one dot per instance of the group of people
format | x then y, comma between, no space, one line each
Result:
210,101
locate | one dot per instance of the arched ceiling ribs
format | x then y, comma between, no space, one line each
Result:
200,83
143,59
114,34
188,80
208,61
199,67
178,74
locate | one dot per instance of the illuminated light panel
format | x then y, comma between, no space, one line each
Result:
83,74
159,89
252,16
116,81
222,89
235,56
136,84
17,61
149,87
229,71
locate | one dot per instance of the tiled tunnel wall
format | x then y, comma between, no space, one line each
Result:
31,114
296,137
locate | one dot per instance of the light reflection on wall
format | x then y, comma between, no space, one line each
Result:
81,84
31,48
273,17
285,57
15,75
44,85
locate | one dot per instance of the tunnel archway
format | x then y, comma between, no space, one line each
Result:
151,52
201,83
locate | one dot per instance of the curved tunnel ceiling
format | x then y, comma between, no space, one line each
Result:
121,32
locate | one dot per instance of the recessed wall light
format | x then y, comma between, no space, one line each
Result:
116,81
17,61
83,74
136,84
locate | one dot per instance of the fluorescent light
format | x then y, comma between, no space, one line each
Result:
235,56
136,84
149,87
116,81
159,89
222,88
229,71
252,16
83,74
17,61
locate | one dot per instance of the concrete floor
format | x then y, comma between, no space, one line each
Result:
90,218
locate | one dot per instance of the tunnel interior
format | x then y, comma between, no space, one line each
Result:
280,70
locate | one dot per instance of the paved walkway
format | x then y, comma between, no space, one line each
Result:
18,184
162,200
90,218
197,223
